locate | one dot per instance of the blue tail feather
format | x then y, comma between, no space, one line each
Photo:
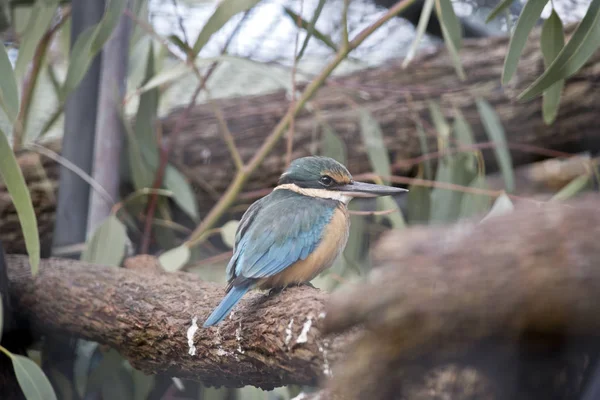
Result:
228,302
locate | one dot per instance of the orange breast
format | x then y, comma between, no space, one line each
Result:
333,241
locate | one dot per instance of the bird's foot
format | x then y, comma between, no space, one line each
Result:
276,290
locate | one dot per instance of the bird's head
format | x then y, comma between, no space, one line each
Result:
324,177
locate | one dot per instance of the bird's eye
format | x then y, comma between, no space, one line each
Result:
326,180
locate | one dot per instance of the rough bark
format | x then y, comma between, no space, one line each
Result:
520,287
437,297
394,96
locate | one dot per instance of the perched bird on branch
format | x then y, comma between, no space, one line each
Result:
291,235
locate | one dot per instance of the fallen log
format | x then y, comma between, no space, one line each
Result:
395,97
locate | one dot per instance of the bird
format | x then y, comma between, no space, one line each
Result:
294,233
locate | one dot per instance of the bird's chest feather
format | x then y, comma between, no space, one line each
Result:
333,241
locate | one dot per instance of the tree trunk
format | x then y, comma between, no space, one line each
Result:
393,95
437,296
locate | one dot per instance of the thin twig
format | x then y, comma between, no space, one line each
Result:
31,78
73,168
242,176
227,136
180,21
290,137
383,212
345,37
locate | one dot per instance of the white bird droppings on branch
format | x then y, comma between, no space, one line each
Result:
190,336
303,337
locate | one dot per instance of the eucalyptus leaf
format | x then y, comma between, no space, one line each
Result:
572,188
63,385
503,5
495,132
452,34
465,137
11,174
439,122
529,16
502,205
581,46
373,139
396,218
307,26
446,203
475,204
9,94
32,380
110,19
108,243
174,259
331,145
228,232
423,22
225,10
419,204
40,18
310,30
182,192
552,42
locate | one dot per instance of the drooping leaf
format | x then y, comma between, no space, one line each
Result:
495,132
85,354
583,44
353,253
174,259
311,28
225,10
451,30
11,174
9,94
503,5
39,22
32,380
376,149
104,371
446,203
182,191
183,46
502,205
439,122
465,137
306,25
529,16
62,384
472,203
552,42
331,145
572,188
418,203
89,43
228,232
428,173
108,243
423,22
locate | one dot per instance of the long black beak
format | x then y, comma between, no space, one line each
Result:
362,189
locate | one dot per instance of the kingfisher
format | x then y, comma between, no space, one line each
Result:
294,233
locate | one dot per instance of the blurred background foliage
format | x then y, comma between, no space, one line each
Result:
252,47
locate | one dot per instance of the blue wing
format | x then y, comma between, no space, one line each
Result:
277,231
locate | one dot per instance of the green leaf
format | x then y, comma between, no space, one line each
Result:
424,149
423,22
310,30
376,149
306,25
418,203
496,134
39,22
174,259
572,188
9,94
504,4
183,194
142,384
183,46
226,9
451,30
108,243
529,16
552,42
32,380
228,232
439,122
465,137
17,188
446,203
475,204
63,385
502,205
89,43
583,44
331,145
